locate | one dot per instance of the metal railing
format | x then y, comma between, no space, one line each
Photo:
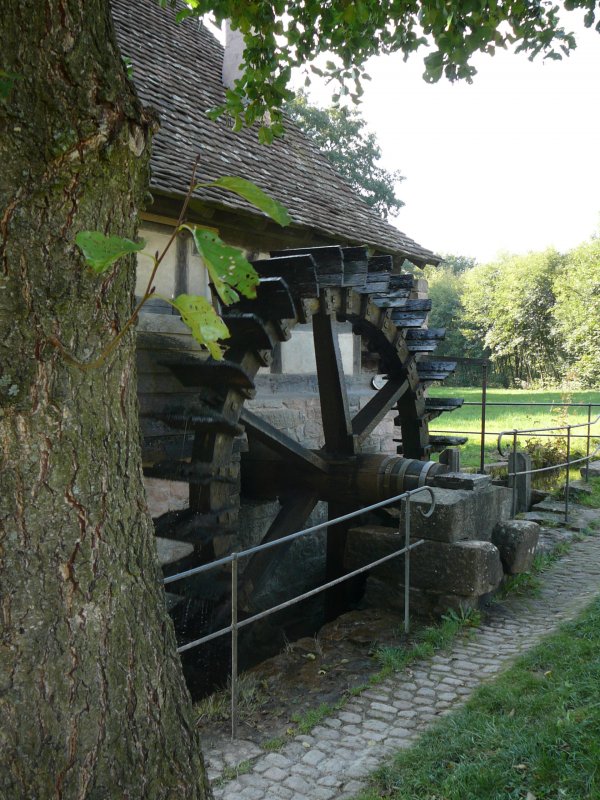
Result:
566,464
234,627
483,433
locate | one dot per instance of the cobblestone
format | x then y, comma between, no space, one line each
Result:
332,763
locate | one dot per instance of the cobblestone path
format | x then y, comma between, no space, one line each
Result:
334,760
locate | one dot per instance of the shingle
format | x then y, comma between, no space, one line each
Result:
177,70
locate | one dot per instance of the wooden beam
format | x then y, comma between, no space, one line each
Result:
335,414
378,406
291,518
281,443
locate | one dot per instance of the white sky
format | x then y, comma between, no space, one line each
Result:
509,163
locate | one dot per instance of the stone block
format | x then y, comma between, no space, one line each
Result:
460,514
577,490
516,540
593,469
463,568
380,594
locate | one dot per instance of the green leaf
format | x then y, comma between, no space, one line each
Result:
255,195
227,266
101,251
265,135
206,325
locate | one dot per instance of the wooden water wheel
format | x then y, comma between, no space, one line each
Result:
195,435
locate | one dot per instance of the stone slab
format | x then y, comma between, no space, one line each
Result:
426,603
462,480
577,490
462,568
594,470
548,518
550,506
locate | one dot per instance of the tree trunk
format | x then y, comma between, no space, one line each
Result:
92,698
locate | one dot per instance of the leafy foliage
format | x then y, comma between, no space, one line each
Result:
279,36
577,311
101,251
446,288
509,306
340,133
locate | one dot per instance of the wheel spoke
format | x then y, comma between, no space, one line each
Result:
335,415
281,443
294,512
378,406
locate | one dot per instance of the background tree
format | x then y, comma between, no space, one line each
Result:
509,307
446,291
457,264
577,311
93,700
340,133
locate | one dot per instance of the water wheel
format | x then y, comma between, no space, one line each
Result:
323,286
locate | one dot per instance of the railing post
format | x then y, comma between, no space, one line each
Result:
568,481
514,486
483,410
587,450
234,645
407,564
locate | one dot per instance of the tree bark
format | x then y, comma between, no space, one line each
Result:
92,698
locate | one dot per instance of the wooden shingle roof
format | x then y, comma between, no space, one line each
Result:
177,70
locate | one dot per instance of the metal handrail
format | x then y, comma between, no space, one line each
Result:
553,403
497,433
234,558
568,428
556,466
568,463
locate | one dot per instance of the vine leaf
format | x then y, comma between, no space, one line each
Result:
255,195
206,325
101,252
227,266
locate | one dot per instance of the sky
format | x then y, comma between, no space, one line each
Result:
510,163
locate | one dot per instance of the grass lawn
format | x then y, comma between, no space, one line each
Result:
499,418
532,734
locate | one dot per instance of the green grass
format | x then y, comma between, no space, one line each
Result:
231,773
426,642
499,418
216,707
592,500
534,732
307,721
